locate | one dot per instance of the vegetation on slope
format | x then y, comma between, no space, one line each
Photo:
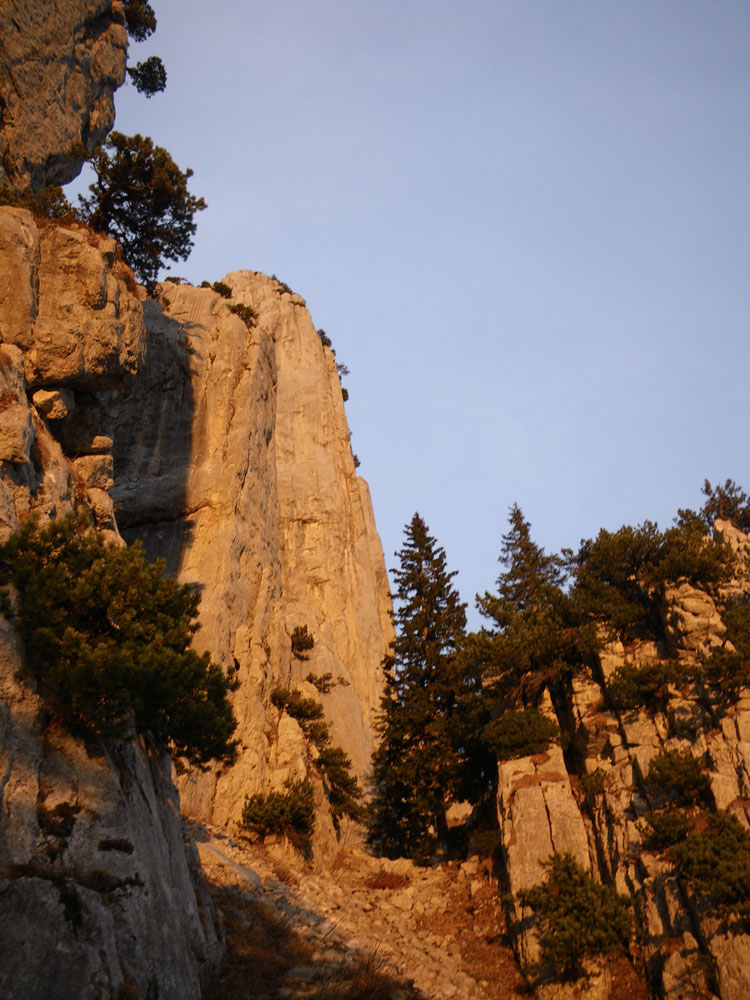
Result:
107,637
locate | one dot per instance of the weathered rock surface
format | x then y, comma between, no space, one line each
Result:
233,462
68,302
101,895
593,804
100,892
60,63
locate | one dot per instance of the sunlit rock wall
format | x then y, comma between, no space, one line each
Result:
233,462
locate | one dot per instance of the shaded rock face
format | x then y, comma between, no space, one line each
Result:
593,801
99,890
100,894
233,462
60,63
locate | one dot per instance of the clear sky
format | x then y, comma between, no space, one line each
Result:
524,225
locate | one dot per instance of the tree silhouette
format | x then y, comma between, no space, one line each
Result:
417,764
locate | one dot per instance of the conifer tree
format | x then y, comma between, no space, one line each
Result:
140,196
538,636
416,766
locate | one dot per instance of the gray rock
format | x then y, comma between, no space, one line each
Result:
60,63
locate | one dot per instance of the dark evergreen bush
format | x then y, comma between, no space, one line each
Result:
140,196
290,813
539,637
647,686
519,734
594,782
729,502
246,313
302,641
728,670
324,683
577,917
294,703
667,828
680,776
107,637
342,788
716,862
149,76
620,576
49,203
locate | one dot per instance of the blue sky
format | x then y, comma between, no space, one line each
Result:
524,225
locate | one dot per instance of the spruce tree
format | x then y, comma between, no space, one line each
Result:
538,636
416,768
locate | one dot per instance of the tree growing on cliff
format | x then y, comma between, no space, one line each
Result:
140,196
417,763
149,76
108,639
537,637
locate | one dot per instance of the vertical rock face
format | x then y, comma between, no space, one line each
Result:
593,803
60,63
233,462
100,894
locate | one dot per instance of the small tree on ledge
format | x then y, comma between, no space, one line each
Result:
141,197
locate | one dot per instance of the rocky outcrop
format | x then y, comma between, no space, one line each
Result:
60,63
101,895
593,801
233,462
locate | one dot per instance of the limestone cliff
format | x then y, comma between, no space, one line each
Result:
100,893
233,462
60,63
592,802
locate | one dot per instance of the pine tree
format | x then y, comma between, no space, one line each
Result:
417,765
140,196
538,637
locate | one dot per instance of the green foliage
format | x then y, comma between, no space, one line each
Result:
417,763
281,286
620,575
294,703
729,502
324,338
729,670
667,828
302,641
342,788
246,313
538,637
140,20
49,203
647,686
594,782
289,813
716,863
578,918
222,288
680,776
141,197
149,76
324,684
519,734
108,637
